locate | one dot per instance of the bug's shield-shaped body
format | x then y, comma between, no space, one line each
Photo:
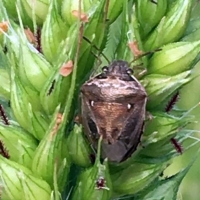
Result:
113,105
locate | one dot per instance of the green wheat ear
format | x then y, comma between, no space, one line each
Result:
44,154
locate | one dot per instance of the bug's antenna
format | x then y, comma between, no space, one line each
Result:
144,54
100,61
93,45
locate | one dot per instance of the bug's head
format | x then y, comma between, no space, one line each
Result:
119,69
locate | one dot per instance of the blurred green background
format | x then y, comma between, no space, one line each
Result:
190,186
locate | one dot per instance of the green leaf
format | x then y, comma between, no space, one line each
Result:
165,189
5,84
54,31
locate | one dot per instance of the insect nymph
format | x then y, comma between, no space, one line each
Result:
114,106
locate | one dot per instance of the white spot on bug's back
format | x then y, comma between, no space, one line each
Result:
129,106
92,103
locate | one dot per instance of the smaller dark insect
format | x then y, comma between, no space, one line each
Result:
113,106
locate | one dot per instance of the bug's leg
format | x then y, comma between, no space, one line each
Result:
148,116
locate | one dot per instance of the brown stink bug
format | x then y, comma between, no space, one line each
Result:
114,105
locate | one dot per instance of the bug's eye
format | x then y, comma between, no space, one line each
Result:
105,69
129,71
